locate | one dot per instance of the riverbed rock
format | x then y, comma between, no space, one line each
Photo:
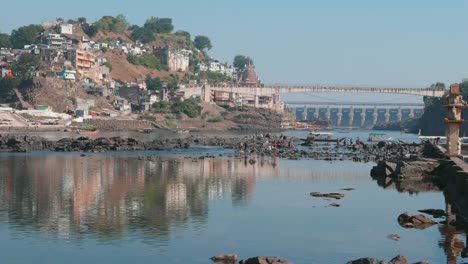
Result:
398,260
264,260
225,258
394,237
328,195
409,220
366,261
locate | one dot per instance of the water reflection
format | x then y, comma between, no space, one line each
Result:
450,241
71,197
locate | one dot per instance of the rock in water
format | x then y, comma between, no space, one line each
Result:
264,260
409,220
328,195
366,261
225,258
398,260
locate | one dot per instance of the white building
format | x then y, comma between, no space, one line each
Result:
66,29
178,59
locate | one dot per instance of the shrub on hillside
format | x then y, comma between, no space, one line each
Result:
188,107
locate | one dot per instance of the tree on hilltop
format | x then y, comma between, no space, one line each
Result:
202,43
240,61
159,25
142,34
90,30
25,35
183,33
116,24
5,41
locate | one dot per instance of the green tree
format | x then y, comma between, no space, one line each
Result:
82,20
25,35
119,24
7,85
5,41
144,35
188,107
108,65
26,63
90,30
105,23
183,33
202,43
153,83
159,25
240,61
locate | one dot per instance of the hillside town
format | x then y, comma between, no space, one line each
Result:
67,78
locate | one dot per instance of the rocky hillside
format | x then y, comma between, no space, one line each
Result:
57,93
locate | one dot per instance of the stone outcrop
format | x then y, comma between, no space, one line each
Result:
264,260
366,261
328,195
398,260
409,220
225,258
34,143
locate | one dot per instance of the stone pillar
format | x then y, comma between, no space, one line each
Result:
339,115
304,114
399,114
411,113
453,120
387,115
206,93
351,116
316,113
363,117
256,104
375,115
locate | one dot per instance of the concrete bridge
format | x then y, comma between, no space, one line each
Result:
268,96
365,115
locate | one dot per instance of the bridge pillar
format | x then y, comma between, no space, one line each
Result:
387,115
411,113
316,113
206,93
328,114
399,114
304,114
363,117
375,115
351,116
338,116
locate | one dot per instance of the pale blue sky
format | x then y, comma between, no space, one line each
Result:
402,43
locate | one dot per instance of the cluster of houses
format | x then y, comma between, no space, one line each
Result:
66,56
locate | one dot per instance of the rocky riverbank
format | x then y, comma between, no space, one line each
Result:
253,145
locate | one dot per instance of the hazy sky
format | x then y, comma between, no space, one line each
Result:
402,43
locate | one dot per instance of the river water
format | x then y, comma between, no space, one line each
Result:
118,208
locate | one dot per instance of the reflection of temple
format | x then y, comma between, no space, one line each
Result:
450,242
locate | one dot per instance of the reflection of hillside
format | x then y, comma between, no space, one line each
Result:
69,196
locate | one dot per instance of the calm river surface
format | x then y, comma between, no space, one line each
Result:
116,208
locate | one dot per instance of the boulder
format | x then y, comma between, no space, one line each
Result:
328,195
409,220
264,260
225,258
398,260
366,261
